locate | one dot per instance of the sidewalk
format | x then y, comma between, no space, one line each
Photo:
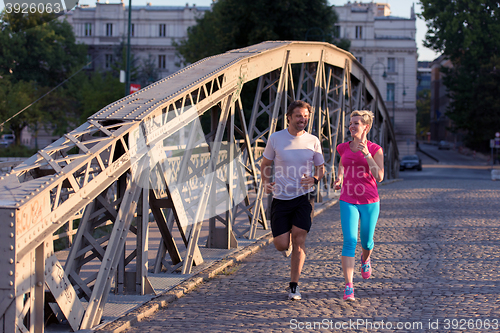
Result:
435,269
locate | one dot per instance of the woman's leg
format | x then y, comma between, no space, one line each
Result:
349,217
368,220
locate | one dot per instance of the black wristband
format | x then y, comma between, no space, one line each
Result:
316,181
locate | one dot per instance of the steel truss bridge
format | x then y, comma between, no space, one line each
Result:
185,150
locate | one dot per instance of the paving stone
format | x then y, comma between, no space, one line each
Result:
436,257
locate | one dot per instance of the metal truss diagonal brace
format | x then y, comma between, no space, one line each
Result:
116,243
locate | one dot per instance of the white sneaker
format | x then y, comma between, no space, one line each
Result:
295,295
287,253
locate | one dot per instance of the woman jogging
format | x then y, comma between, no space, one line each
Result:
361,166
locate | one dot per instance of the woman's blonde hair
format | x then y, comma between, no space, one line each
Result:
366,117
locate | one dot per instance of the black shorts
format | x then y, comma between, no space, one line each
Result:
295,212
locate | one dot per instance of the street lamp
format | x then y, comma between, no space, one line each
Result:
127,80
381,63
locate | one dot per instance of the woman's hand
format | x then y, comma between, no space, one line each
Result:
338,184
363,148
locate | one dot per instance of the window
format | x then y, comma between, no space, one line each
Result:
88,29
89,61
336,31
163,30
391,65
132,29
109,29
360,59
109,60
162,61
359,32
390,92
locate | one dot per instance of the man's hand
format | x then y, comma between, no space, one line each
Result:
269,187
307,182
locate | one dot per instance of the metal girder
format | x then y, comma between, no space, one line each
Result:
149,151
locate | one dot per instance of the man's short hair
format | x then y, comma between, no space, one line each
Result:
298,104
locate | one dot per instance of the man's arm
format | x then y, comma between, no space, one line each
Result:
265,174
309,182
319,171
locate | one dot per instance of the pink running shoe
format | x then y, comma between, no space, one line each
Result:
349,292
366,268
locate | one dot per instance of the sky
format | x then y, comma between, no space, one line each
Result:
400,8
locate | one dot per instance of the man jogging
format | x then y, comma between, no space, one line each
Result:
298,167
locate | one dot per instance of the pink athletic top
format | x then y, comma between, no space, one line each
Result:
359,186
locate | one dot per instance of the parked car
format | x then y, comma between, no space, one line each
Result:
410,162
444,145
6,140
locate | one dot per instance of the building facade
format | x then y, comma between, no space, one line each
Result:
154,30
386,47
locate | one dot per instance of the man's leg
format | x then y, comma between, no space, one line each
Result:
282,242
298,253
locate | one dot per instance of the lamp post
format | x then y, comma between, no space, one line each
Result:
384,75
127,80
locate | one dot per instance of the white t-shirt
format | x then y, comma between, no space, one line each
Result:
293,157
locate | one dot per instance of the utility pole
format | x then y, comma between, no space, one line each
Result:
127,74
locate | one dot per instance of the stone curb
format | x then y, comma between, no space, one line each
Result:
162,301
428,155
390,181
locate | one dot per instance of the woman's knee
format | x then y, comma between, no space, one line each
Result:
349,247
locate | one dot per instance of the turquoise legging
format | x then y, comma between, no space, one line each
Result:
350,214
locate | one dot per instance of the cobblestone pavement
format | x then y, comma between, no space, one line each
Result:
436,262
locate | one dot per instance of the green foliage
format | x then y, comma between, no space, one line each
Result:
120,61
233,24
17,151
476,107
14,97
423,113
468,33
38,48
37,53
148,72
97,92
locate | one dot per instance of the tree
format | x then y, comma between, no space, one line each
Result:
468,33
13,98
38,48
233,24
97,92
423,113
148,72
38,52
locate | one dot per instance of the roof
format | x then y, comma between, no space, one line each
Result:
390,17
154,8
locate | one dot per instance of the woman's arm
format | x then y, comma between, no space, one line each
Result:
340,176
376,165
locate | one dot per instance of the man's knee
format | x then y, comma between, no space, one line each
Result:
282,242
299,236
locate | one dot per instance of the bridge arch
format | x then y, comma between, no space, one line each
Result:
180,148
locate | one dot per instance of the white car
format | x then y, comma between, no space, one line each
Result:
6,140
